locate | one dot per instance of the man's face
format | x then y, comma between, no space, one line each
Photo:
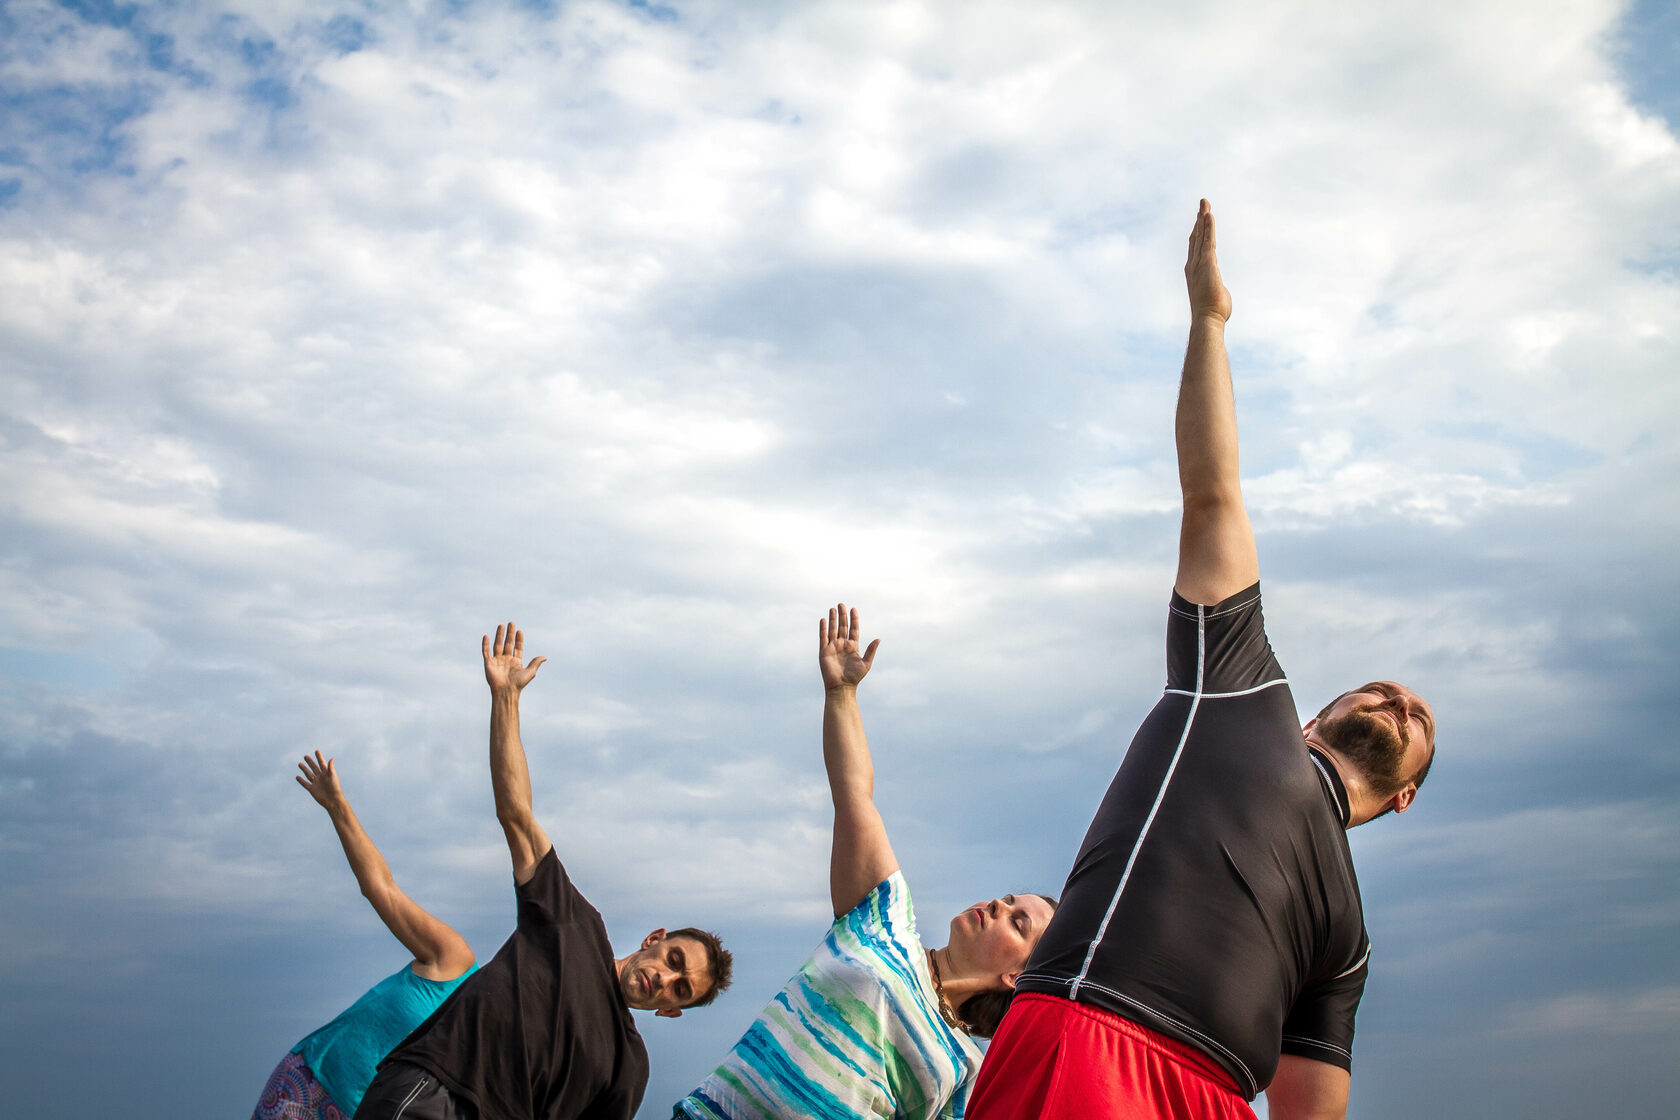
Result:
997,937
665,975
1383,728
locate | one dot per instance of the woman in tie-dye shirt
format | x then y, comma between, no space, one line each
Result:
874,1024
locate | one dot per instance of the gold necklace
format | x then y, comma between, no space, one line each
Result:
945,1011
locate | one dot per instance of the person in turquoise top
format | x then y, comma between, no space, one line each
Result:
325,1075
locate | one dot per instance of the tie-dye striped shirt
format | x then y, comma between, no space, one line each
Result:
855,1035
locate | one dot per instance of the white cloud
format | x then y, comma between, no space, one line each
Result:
665,333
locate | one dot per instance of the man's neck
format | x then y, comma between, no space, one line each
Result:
1361,803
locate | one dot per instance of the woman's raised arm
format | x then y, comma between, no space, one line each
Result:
861,856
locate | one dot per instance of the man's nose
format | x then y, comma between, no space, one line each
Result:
1402,709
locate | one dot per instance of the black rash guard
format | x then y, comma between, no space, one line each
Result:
1214,898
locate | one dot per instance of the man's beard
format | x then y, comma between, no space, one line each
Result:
1372,744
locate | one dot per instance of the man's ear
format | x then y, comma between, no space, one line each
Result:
1306,728
653,938
1402,801
1009,979
668,1013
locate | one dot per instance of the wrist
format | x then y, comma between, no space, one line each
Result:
840,690
1207,318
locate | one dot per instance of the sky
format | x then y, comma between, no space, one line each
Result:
332,336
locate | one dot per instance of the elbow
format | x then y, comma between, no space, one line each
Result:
1211,501
857,793
378,888
519,823
514,818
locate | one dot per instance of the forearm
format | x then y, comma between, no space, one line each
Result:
510,778
1205,428
372,873
1216,556
851,772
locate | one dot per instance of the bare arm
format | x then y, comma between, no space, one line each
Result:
510,779
1216,556
1307,1090
439,952
861,856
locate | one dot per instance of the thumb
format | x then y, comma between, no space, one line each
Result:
536,663
869,654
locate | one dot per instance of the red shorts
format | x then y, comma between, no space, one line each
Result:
1055,1059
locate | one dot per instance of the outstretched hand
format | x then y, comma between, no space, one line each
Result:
1208,295
504,660
837,649
320,778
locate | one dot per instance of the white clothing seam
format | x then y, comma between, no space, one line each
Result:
1227,695
1185,1027
1143,833
1357,965
1317,1042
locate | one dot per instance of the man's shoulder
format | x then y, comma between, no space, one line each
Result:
552,892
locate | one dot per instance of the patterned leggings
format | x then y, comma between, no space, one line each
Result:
292,1093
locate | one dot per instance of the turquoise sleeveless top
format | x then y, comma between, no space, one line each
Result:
343,1054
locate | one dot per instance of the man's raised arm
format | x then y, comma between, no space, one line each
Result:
1216,557
507,674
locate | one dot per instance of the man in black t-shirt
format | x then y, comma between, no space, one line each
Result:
1210,942
543,1031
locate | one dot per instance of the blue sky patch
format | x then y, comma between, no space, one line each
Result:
1647,44
102,12
346,34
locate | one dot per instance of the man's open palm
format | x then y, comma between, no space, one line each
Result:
504,660
837,649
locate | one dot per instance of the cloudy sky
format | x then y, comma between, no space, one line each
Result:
332,336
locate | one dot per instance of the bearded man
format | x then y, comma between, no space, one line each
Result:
1210,943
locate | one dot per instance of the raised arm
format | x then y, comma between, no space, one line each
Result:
1216,557
1304,1089
861,856
439,952
507,674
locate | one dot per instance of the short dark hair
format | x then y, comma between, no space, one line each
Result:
719,962
982,1014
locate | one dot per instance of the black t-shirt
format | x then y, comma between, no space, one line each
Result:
541,1032
1214,898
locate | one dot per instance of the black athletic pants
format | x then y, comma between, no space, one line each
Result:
404,1092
